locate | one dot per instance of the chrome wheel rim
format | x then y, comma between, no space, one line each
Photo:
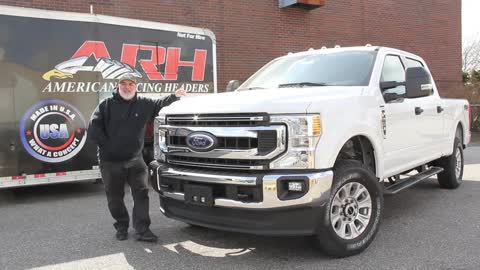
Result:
351,210
458,166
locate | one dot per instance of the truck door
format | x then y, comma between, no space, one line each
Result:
431,117
8,159
401,136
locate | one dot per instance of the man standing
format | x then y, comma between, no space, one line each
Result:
118,127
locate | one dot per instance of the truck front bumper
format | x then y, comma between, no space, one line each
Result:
266,208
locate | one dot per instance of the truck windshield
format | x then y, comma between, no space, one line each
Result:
348,68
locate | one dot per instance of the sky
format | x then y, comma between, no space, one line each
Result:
470,19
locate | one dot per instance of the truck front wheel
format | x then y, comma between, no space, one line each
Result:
352,215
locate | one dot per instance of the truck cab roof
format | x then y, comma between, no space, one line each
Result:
353,48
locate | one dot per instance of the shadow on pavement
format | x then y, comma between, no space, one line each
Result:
52,192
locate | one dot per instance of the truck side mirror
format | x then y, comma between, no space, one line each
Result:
418,82
391,97
232,85
389,85
388,97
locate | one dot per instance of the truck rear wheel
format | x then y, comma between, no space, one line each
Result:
452,174
352,215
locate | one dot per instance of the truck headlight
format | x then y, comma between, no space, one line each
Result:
304,132
159,139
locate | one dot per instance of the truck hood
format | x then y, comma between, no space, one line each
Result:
273,101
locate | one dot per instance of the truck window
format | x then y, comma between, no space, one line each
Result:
413,63
393,70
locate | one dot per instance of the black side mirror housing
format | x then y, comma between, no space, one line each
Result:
232,85
418,82
389,85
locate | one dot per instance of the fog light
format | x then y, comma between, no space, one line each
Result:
292,187
295,186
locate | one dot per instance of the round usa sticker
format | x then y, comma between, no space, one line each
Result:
53,131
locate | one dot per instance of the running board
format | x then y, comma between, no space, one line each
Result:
408,182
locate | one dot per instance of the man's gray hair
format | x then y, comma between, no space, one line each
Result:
127,76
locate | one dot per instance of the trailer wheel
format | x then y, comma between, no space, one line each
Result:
452,174
352,215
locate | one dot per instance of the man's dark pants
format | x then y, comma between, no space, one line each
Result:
115,175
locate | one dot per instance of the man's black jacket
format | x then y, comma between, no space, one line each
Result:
117,126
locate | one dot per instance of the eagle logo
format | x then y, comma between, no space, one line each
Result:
109,68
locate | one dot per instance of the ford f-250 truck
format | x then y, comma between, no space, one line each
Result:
309,145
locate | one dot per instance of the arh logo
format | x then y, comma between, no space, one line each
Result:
93,56
53,131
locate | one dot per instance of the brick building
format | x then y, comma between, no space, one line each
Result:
251,32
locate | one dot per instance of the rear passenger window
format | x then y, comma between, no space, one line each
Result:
393,70
413,63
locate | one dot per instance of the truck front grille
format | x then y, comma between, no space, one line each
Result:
240,141
223,142
265,142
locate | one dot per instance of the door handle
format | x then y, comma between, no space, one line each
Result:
440,109
418,110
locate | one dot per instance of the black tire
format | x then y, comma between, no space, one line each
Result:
327,239
449,178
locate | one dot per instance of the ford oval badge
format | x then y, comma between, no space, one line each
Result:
201,141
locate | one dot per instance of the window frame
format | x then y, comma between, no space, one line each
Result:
402,62
407,58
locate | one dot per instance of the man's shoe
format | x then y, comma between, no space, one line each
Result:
146,236
121,235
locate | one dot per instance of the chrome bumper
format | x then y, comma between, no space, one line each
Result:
318,192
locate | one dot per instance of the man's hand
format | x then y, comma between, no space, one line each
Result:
180,92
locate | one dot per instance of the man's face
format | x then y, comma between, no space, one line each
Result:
127,89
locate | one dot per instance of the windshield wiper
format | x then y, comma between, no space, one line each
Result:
301,84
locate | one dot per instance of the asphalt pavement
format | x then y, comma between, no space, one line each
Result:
68,226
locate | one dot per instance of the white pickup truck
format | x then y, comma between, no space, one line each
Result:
309,145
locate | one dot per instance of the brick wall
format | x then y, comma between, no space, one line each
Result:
251,32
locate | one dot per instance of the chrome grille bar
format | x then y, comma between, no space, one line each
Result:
218,120
194,118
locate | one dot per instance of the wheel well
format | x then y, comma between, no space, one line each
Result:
359,148
460,131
